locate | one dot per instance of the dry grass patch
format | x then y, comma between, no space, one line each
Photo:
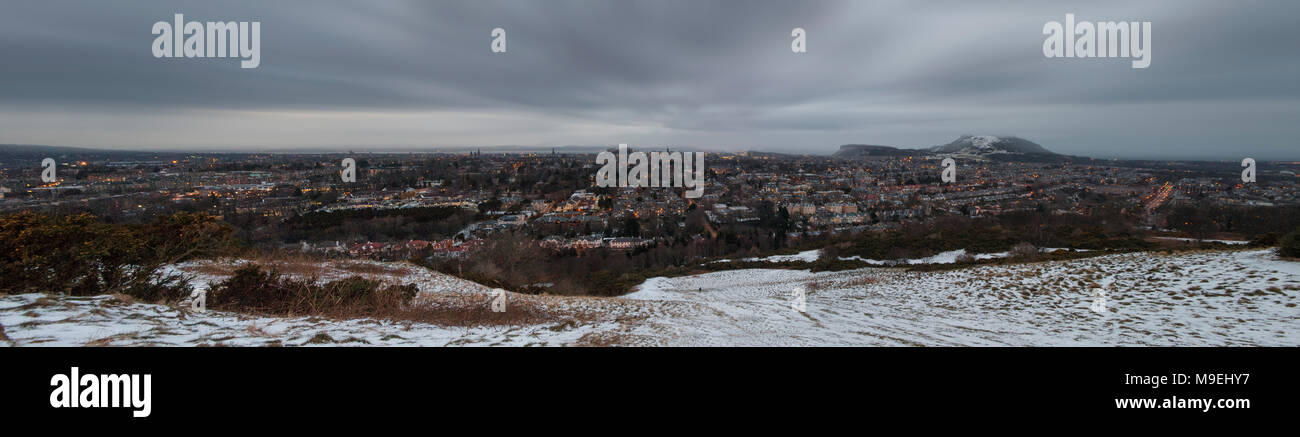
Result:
812,286
300,267
606,339
108,341
252,290
363,268
40,302
470,310
296,266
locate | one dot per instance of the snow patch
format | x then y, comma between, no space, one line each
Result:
805,256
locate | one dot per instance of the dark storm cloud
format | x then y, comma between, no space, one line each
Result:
715,74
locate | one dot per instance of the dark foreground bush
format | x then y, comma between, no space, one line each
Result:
252,290
81,255
1289,245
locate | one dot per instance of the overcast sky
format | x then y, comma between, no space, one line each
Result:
714,75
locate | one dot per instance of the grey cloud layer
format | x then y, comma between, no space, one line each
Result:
704,74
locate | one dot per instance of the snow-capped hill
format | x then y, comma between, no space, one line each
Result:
989,144
984,142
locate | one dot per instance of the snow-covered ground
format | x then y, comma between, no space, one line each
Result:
36,319
1184,299
805,256
949,257
1193,240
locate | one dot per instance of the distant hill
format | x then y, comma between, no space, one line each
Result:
859,150
984,146
989,144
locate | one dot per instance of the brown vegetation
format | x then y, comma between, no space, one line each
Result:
81,255
251,289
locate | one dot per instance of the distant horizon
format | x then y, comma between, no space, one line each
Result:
565,149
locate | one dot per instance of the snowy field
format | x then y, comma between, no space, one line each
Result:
805,256
32,319
948,257
1189,299
36,319
1209,298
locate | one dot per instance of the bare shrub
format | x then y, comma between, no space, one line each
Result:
1289,245
252,290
